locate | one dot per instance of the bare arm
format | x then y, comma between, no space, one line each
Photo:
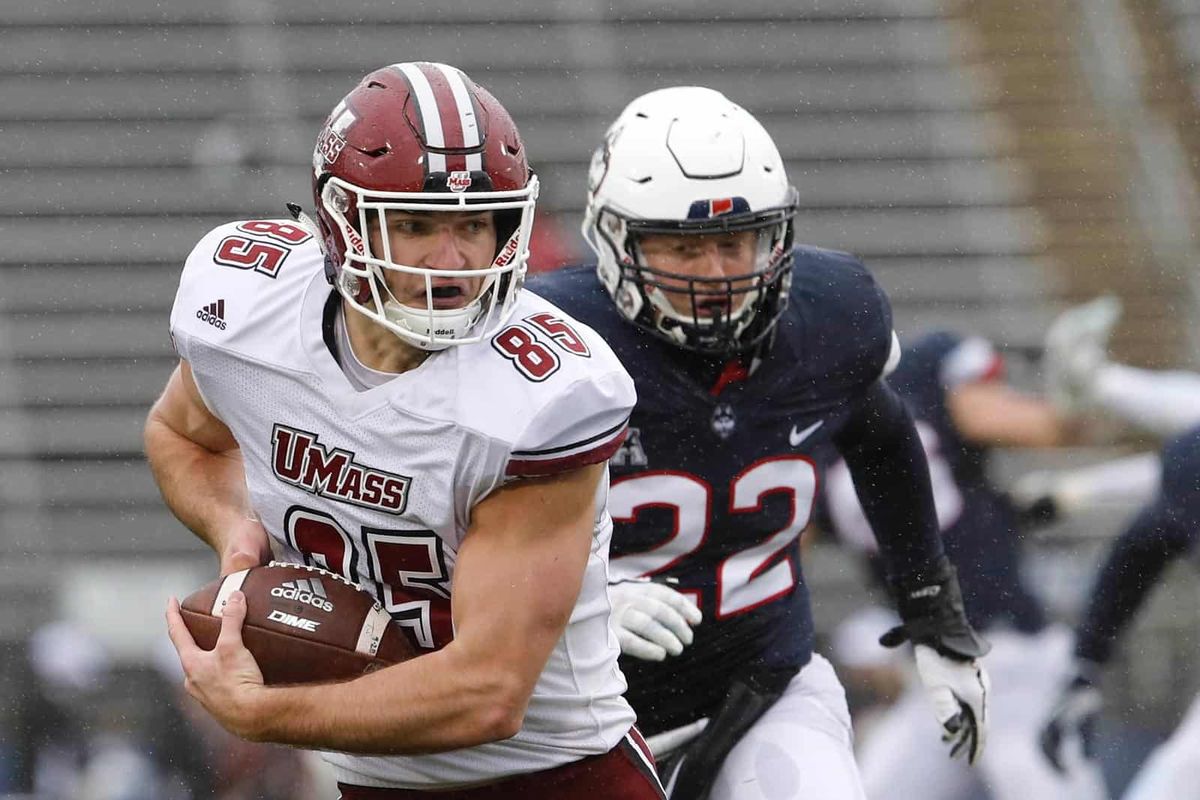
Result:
517,578
197,464
993,413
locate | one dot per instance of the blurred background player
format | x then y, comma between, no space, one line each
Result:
874,677
392,405
748,357
1080,375
1164,530
954,387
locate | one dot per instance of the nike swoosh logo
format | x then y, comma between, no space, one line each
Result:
795,437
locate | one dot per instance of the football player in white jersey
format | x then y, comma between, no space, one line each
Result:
422,427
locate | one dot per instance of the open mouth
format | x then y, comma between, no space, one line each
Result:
449,296
712,308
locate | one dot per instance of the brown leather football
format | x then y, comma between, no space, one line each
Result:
303,624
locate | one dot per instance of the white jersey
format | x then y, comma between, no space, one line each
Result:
379,484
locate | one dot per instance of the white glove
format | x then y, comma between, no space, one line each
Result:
959,692
1076,347
651,619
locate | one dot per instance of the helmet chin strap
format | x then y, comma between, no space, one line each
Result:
306,222
442,324
677,325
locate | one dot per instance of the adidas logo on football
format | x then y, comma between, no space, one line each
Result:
304,590
213,314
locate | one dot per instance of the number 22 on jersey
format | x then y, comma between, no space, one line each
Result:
743,580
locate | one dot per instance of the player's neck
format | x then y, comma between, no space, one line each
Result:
377,347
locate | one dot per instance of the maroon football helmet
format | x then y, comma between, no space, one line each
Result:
422,136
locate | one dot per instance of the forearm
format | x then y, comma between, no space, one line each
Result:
1163,402
440,701
206,491
891,477
516,582
1130,481
994,414
1135,562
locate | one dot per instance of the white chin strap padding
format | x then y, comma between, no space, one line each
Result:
449,324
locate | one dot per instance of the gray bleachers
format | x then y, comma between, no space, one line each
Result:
314,48
56,286
176,191
149,12
118,380
919,136
130,129
209,96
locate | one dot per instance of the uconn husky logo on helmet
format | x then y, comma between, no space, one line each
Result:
687,160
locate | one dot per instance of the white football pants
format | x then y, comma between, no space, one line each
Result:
904,755
1173,770
800,749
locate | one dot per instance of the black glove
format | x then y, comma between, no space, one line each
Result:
1038,512
688,774
931,606
1074,717
946,649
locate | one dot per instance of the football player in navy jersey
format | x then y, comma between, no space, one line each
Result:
963,409
1164,530
749,355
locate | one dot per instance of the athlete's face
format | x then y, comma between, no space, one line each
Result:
719,256
440,240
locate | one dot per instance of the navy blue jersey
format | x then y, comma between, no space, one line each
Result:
979,525
717,478
1164,530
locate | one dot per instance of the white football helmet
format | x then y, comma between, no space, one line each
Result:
687,160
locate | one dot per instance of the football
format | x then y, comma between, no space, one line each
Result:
303,624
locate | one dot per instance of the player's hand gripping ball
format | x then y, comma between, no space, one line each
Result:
303,624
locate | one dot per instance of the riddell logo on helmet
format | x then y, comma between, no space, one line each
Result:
304,590
355,241
459,181
508,253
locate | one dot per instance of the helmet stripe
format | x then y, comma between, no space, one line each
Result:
447,106
467,122
454,126
427,107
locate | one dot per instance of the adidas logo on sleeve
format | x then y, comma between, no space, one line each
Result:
213,314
